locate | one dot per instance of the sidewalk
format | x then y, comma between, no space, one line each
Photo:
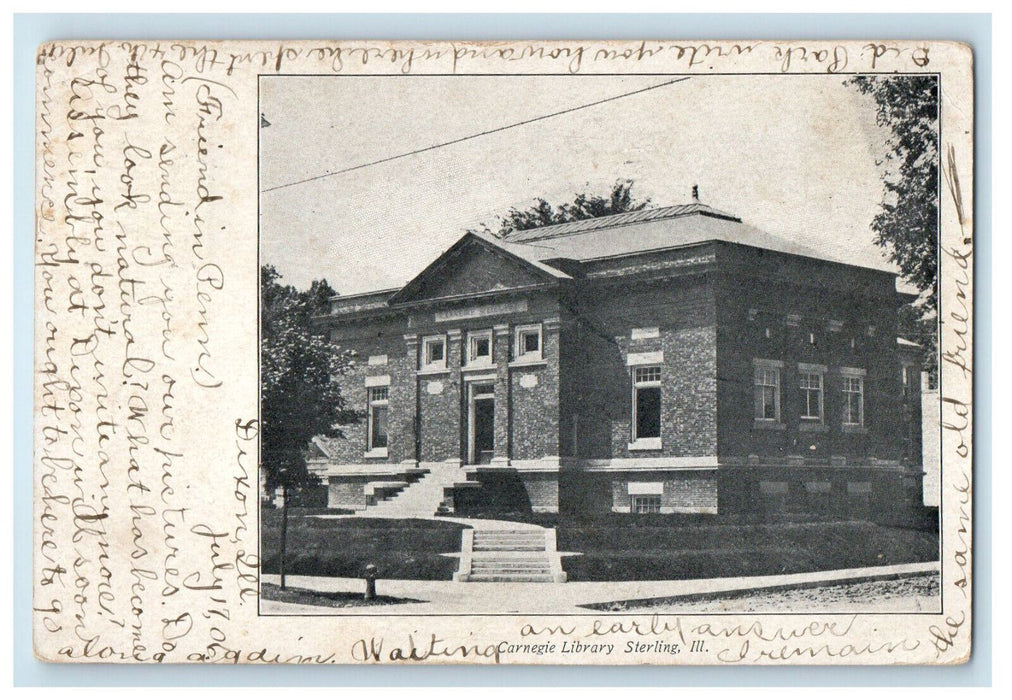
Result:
448,597
476,523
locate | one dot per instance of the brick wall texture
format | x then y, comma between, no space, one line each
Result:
729,306
684,314
839,321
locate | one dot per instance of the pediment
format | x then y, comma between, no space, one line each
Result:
473,266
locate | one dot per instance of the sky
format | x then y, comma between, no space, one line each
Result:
794,155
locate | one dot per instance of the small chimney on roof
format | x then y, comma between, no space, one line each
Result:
695,193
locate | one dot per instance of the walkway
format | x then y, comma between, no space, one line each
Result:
476,523
448,597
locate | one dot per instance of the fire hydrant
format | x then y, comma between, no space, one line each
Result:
370,582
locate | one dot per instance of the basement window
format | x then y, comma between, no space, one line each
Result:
646,504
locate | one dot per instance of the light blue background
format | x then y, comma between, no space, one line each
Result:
31,30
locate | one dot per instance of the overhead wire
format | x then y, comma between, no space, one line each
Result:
332,173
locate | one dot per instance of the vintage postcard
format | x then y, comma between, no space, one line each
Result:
652,352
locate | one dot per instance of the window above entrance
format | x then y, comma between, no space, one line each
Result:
479,348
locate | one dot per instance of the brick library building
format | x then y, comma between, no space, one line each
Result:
668,360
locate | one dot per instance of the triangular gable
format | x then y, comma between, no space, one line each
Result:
473,266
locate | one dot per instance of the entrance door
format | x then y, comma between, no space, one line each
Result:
481,423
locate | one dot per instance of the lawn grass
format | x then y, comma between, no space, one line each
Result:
670,552
400,549
611,549
329,599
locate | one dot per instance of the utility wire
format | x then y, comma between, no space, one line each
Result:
472,136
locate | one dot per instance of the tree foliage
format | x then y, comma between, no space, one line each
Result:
907,223
300,379
584,206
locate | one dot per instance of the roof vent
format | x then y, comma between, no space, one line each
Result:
695,193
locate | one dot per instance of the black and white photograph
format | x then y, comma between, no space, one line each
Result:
576,352
600,344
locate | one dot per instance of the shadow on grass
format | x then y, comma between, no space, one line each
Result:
335,599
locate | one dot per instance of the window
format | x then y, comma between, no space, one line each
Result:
911,381
853,401
479,348
434,352
647,404
767,393
811,395
379,400
773,496
819,496
859,497
528,343
646,504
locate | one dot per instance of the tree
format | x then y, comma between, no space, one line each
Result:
618,200
300,372
907,223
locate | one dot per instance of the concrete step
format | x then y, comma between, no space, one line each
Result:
477,567
511,578
509,541
509,547
508,538
534,576
419,499
488,537
510,556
